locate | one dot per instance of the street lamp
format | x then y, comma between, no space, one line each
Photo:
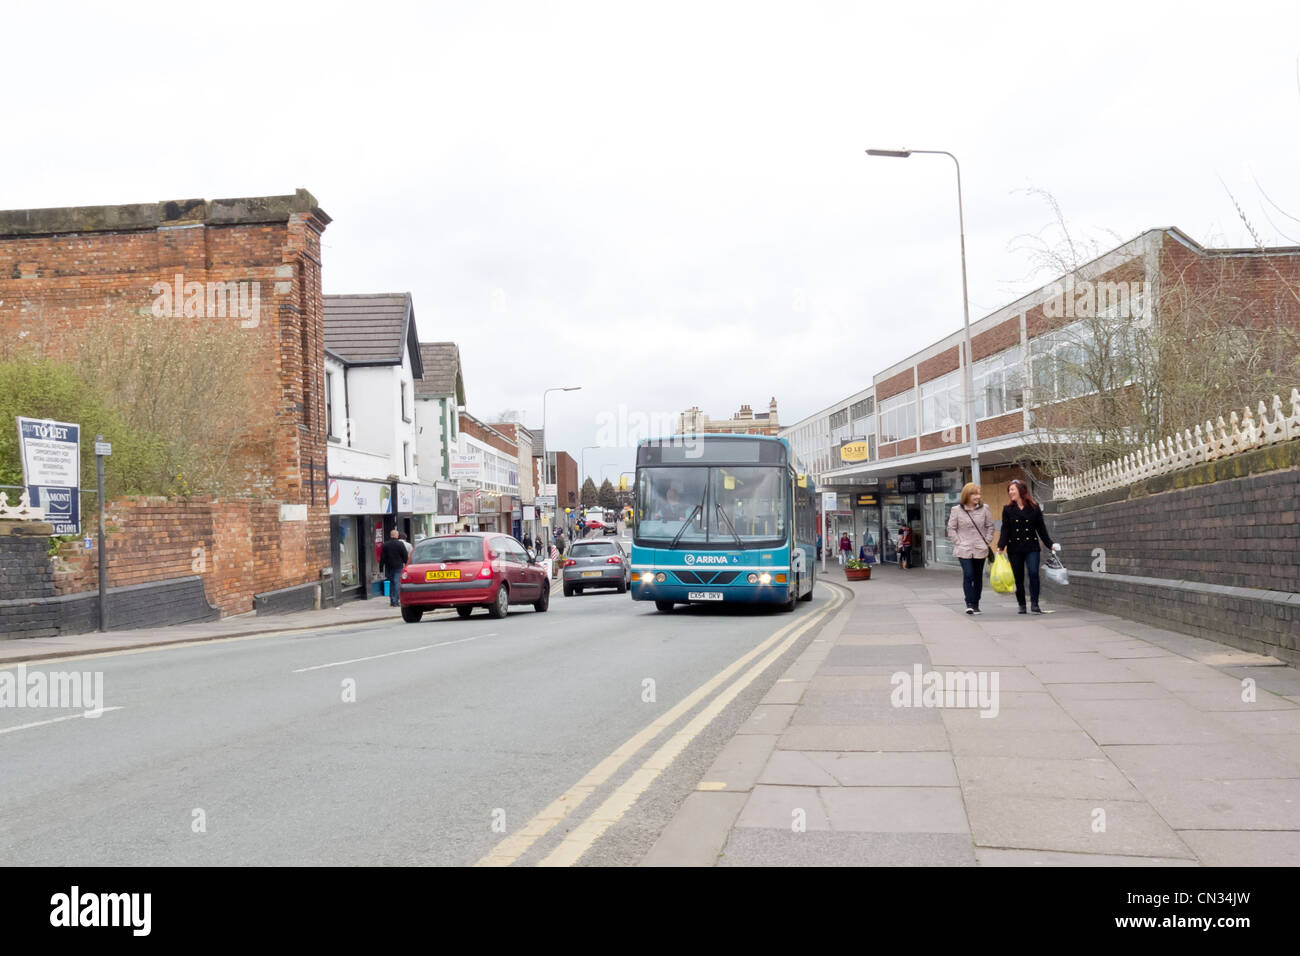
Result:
559,388
965,301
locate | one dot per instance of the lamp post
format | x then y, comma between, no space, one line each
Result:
965,301
550,477
583,457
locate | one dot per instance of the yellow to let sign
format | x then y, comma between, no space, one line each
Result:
854,451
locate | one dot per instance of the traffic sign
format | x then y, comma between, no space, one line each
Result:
103,448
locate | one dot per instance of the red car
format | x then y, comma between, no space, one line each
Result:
471,570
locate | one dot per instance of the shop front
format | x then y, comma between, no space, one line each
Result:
359,512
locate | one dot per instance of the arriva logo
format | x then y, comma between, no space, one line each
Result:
706,559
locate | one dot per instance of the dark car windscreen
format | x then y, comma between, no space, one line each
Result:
593,550
440,550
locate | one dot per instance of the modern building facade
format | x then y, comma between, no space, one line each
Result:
898,452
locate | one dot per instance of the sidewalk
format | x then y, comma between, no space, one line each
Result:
41,648
1113,743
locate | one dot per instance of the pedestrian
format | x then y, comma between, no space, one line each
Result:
970,529
819,545
846,548
1022,526
409,547
905,547
391,561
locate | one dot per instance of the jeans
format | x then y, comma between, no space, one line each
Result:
1020,563
972,580
394,586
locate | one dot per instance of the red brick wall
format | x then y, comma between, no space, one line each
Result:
66,272
475,430
244,548
1001,337
1007,424
894,384
940,364
936,440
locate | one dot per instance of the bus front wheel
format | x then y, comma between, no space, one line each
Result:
664,605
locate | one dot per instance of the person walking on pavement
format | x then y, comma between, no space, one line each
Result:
392,558
1022,526
846,548
905,547
970,529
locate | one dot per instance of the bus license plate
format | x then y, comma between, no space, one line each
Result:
704,595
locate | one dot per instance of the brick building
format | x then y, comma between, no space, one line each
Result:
899,450
252,264
744,422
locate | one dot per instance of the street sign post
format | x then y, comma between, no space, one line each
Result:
102,450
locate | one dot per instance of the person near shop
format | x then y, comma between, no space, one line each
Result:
819,545
846,548
905,547
970,529
392,558
1022,527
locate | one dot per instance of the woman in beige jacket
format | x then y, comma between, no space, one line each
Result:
970,529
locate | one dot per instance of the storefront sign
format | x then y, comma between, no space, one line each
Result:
828,501
468,502
465,468
867,501
447,504
51,457
530,513
426,500
908,484
853,451
546,501
359,497
405,499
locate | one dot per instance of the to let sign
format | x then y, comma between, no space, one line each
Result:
51,457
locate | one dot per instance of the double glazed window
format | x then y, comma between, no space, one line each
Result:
941,402
999,382
897,416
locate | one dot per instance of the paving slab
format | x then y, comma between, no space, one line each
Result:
753,847
1263,722
895,809
1015,821
1277,680
987,856
1102,691
1148,722
768,719
785,692
1217,700
964,719
865,738
777,808
1199,804
1239,760
995,742
740,761
901,656
888,769
1244,847
796,768
1089,778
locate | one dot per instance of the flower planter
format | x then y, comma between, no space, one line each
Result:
858,574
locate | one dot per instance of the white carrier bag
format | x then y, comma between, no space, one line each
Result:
1055,570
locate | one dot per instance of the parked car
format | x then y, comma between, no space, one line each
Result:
595,564
470,570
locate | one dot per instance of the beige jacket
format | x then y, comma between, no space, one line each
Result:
965,530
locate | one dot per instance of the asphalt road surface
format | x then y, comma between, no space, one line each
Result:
381,744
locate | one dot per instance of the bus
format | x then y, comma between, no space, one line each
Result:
722,518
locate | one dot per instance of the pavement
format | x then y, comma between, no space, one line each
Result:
1096,741
351,613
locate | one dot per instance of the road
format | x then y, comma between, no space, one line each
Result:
460,733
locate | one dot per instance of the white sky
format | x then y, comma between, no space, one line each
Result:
669,203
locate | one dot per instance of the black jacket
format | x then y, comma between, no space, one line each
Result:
1021,529
392,557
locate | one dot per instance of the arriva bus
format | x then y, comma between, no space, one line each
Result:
722,518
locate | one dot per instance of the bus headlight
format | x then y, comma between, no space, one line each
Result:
648,576
752,579
765,578
661,577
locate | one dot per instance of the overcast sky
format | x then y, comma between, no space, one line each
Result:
669,204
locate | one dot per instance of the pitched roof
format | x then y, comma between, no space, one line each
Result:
372,329
442,375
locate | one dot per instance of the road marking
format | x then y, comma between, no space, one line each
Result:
580,839
517,844
55,720
375,657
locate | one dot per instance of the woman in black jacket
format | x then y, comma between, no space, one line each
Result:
1022,526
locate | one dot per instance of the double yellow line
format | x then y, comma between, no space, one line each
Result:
585,834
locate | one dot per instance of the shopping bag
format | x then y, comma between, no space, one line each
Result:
1001,576
1055,570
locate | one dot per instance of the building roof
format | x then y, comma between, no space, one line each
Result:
372,329
442,372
